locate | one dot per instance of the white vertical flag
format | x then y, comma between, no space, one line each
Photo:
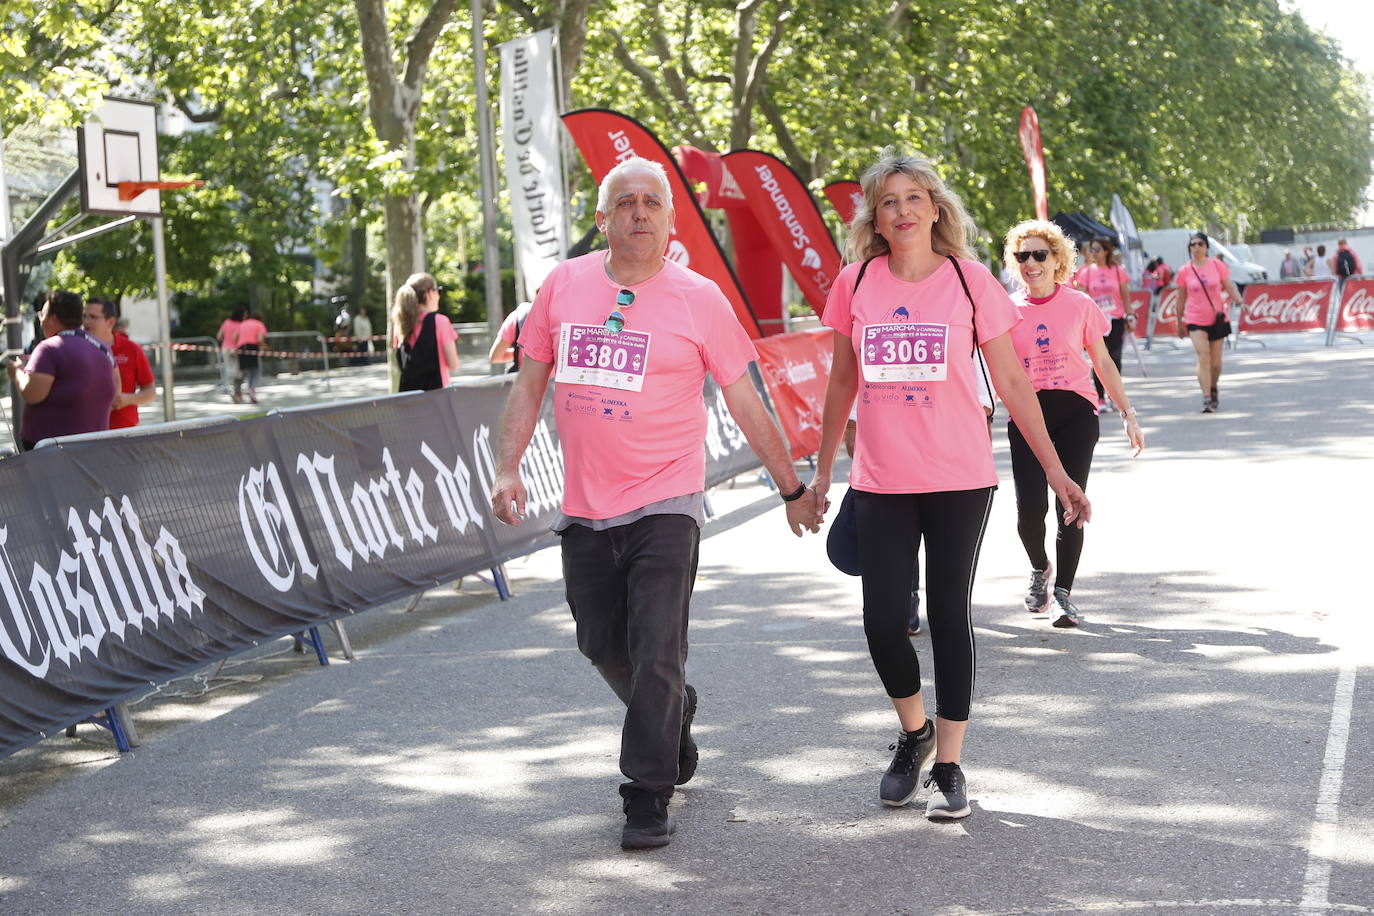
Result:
530,145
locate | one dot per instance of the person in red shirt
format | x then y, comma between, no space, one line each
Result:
136,386
251,335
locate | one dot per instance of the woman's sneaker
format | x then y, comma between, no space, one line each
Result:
1066,615
1038,595
949,797
903,776
1207,405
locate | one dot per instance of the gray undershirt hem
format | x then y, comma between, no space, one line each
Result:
693,505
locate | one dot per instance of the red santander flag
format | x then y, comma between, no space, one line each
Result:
1035,160
791,220
845,196
607,138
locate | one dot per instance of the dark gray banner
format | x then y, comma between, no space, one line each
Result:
130,561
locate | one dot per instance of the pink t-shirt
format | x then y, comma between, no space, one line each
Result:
229,334
1104,287
1206,290
924,432
631,417
443,333
1051,338
252,331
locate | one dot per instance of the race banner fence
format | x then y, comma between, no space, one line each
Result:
128,561
796,369
1286,306
1357,308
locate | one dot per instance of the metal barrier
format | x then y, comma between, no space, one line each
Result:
293,364
204,362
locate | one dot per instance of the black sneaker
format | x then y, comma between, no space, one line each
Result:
648,824
1066,615
1216,400
687,753
913,623
903,776
949,799
1038,594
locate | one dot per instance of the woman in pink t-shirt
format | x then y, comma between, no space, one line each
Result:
1203,286
1057,325
1108,285
426,344
905,323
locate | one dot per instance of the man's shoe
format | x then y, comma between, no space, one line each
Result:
648,824
1038,594
687,753
903,776
949,798
1065,615
913,623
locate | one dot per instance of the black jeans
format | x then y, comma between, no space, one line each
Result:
891,527
629,589
1073,427
1114,339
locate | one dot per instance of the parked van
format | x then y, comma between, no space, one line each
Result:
1172,246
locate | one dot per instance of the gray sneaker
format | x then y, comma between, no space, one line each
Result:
903,776
1065,615
949,799
1038,595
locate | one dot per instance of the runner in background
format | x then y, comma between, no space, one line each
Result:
923,468
252,334
506,347
1107,284
228,337
1058,323
425,342
136,386
1203,285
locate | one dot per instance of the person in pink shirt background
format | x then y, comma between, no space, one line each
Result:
923,467
1108,285
1203,287
426,344
228,337
628,337
251,335
1057,325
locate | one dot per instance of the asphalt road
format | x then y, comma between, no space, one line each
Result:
1202,744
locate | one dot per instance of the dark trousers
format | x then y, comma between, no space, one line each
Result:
1073,427
891,526
629,589
1114,339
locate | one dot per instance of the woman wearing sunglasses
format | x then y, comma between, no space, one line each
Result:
1107,284
1203,286
426,344
907,314
1058,323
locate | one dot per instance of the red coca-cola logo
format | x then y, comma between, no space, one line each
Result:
1301,307
1358,305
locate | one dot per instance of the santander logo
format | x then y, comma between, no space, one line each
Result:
678,253
811,259
1302,307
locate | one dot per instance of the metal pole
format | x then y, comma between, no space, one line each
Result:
4,192
491,254
164,321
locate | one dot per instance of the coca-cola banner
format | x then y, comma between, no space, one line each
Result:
607,138
1357,306
796,369
1167,314
845,197
790,219
1140,308
130,561
1295,305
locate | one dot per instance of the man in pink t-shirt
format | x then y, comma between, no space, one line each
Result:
629,337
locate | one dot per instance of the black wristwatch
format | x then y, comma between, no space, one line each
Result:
793,497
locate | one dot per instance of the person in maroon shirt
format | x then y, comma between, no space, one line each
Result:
70,380
136,386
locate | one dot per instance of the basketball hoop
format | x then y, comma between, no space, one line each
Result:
128,190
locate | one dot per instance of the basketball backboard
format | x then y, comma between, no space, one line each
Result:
118,143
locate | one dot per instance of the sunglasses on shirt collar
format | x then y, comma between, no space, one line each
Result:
615,322
1040,254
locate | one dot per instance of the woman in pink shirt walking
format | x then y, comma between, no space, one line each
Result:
1058,323
1203,286
1109,286
907,315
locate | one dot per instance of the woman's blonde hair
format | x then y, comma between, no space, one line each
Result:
405,309
951,233
1065,254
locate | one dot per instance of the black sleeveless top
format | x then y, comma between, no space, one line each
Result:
420,363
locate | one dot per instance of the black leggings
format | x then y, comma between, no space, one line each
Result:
1114,339
1073,427
891,526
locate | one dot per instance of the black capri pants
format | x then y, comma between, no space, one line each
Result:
891,526
1073,427
1114,340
